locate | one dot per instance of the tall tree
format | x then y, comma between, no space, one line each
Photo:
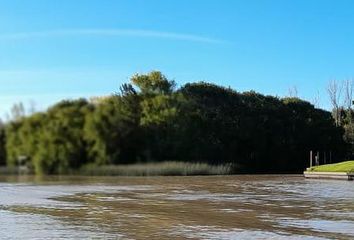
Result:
112,130
61,145
334,90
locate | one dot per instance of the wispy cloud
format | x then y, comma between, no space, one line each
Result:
110,33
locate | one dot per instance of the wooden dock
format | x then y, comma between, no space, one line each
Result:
329,175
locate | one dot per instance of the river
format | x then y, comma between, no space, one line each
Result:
218,207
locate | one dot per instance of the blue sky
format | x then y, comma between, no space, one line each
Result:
50,50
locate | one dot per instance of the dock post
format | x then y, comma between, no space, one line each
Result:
310,158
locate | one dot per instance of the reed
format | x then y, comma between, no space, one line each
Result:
170,168
9,170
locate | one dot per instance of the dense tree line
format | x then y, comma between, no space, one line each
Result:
151,120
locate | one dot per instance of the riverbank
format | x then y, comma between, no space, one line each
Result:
347,167
342,171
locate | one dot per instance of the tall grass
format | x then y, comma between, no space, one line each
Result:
9,170
157,169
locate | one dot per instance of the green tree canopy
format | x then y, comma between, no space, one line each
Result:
151,120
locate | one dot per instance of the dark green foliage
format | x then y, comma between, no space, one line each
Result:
113,131
258,132
52,141
22,137
346,121
150,121
2,145
153,83
61,144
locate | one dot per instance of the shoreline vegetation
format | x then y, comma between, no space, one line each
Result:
151,120
345,167
6,170
157,169
167,168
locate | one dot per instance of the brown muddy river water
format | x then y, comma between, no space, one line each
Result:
234,207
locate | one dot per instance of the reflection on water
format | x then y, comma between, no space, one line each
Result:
236,207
